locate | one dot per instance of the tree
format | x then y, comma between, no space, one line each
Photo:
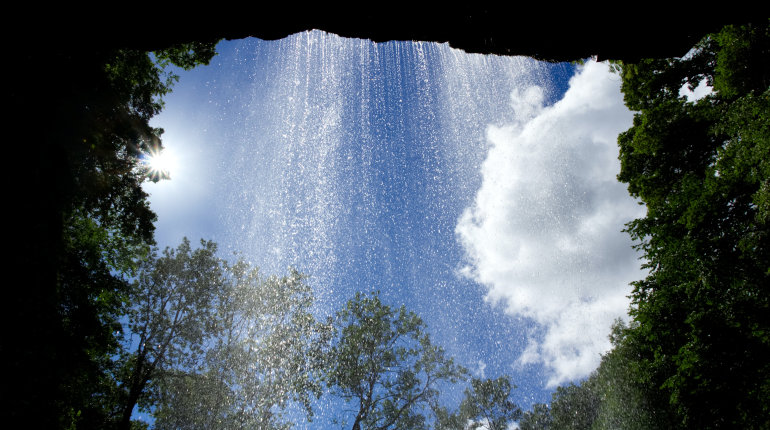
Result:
92,280
702,168
266,352
83,117
486,405
612,397
575,407
539,418
172,314
214,345
625,402
382,361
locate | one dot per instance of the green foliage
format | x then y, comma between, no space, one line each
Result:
186,55
575,407
214,345
382,361
82,127
701,168
613,397
539,418
171,313
264,352
111,132
624,401
486,405
91,294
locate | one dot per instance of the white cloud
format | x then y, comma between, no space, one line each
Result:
544,233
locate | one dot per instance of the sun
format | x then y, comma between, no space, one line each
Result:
159,164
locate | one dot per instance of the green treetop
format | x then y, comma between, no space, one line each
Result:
384,365
486,405
702,168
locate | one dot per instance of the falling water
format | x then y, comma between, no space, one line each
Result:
353,161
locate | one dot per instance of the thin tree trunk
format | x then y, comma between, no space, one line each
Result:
133,398
138,382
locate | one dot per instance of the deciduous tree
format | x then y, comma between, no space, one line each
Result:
171,316
384,365
702,168
538,418
625,401
575,407
486,405
265,354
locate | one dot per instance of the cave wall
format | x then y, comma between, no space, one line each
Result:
623,32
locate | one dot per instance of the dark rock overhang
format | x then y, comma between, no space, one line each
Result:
544,31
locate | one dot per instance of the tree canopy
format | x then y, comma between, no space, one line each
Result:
171,315
702,168
83,123
384,365
256,347
486,405
213,344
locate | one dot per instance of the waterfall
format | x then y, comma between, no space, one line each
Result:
353,162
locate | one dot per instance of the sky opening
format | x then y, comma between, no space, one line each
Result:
479,191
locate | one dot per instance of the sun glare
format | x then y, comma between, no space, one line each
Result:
160,164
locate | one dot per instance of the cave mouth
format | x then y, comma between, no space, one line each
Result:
389,166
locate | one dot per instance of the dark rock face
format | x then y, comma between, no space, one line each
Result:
626,32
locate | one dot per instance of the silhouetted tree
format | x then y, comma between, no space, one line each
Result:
82,122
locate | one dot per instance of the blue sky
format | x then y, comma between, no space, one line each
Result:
479,191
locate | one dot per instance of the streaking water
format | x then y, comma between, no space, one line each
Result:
353,161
